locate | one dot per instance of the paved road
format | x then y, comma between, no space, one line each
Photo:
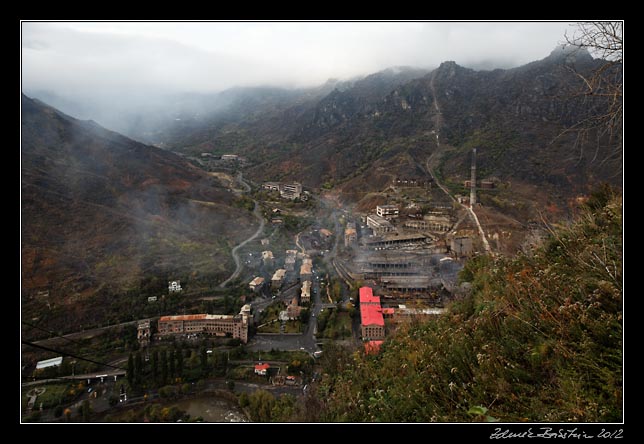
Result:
257,213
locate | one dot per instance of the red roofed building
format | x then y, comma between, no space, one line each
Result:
388,312
367,297
372,324
215,325
372,347
261,369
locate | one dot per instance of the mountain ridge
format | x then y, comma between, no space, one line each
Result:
103,215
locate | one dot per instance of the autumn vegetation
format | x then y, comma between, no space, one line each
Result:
539,338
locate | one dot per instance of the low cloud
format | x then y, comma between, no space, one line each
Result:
78,58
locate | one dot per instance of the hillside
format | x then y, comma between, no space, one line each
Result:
358,135
539,339
106,221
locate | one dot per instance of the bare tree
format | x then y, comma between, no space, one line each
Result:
602,88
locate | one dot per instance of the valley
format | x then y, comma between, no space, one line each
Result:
413,245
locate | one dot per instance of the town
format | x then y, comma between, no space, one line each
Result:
317,273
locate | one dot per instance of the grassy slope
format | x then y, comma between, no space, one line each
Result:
539,339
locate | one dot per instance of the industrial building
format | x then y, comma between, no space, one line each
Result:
407,284
291,191
407,182
397,240
461,246
387,211
372,324
379,224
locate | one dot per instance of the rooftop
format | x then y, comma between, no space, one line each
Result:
194,317
257,281
49,362
279,274
367,297
371,315
372,347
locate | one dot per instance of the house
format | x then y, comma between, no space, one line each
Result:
305,296
278,277
174,286
230,157
305,272
387,211
291,257
293,310
326,233
256,284
143,332
262,369
289,263
267,258
271,186
290,380
462,199
350,234
306,260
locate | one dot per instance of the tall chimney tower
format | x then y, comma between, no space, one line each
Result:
473,180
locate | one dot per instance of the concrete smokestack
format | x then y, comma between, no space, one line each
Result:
473,180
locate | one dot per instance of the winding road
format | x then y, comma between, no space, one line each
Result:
260,218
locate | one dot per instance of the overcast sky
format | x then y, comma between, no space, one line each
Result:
81,57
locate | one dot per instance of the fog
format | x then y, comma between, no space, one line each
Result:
132,59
